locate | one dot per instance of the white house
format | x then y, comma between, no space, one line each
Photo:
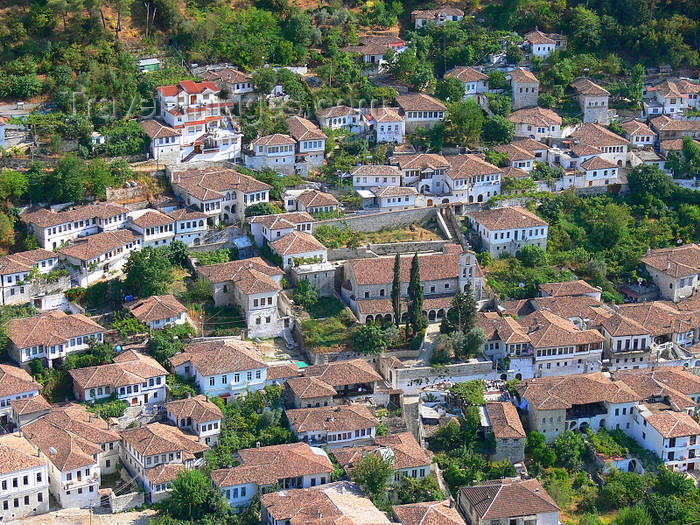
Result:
277,152
639,134
92,258
268,228
333,426
340,117
79,449
475,82
507,230
373,49
420,111
190,226
199,415
592,99
155,228
511,501
598,172
386,125
689,90
663,98
196,110
439,16
159,311
310,201
299,248
389,198
222,194
426,172
544,44
673,436
268,469
611,147
676,271
24,479
222,368
51,335
15,383
471,179
24,277
536,123
154,454
375,175
253,286
133,377
310,141
234,83
54,229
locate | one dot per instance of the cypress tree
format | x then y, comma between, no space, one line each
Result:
416,318
396,291
461,316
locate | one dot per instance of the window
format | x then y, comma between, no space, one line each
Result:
40,497
212,380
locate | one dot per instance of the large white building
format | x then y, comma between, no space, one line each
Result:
253,286
475,82
222,368
79,448
198,415
24,479
54,229
508,230
277,152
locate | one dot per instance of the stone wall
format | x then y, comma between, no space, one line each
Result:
407,247
125,502
345,254
138,193
411,379
372,222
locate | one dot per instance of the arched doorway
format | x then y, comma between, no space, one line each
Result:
632,466
519,376
480,198
431,315
602,423
445,201
369,319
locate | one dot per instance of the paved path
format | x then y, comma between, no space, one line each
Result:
83,517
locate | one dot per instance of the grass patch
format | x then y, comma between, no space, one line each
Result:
329,333
222,320
325,307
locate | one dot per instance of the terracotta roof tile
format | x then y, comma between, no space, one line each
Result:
252,275
340,373
276,139
538,37
384,114
50,328
268,465
45,218
508,498
536,116
220,357
683,261
468,166
466,74
376,170
156,308
212,184
596,135
636,128
304,129
24,261
577,287
505,421
198,408
151,219
419,102
30,405
93,246
428,513
310,387
597,163
15,380
281,220
316,199
129,368
157,438
297,243
155,129
331,419
506,218
522,76
585,86
672,424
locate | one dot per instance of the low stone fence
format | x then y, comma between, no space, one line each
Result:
372,222
413,378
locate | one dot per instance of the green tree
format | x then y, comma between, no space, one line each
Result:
264,80
373,473
535,445
396,290
261,208
369,339
416,318
148,272
474,342
464,122
533,256
194,497
412,490
461,316
178,253
305,295
66,182
449,89
514,55
586,30
13,184
569,447
498,130
98,178
637,84
636,515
